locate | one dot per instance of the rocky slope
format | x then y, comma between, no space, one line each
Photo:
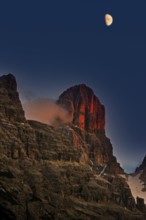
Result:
88,120
10,105
63,172
142,169
137,183
85,108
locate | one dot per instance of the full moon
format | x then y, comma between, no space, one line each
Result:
108,19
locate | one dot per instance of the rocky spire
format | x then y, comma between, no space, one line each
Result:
85,108
10,105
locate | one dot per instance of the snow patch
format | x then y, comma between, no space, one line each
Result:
123,176
102,172
136,185
91,162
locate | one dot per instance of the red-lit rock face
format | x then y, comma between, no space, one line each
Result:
86,110
142,171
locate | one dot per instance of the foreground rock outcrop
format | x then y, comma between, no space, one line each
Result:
63,172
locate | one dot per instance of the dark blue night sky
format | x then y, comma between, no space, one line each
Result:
50,45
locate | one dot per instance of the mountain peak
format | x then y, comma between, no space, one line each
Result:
10,105
85,108
8,81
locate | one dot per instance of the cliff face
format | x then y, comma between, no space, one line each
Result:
88,122
64,172
10,105
142,166
142,169
137,184
85,108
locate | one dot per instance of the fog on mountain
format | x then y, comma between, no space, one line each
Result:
46,111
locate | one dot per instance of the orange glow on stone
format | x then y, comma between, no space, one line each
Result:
87,111
82,120
82,108
92,105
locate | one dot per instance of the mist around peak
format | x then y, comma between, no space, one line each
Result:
46,111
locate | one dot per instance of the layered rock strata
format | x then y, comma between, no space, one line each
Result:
88,121
47,172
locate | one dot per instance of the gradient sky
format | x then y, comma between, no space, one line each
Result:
50,45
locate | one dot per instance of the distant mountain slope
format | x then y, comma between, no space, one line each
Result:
137,181
142,169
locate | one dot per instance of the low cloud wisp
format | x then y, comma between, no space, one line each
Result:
46,111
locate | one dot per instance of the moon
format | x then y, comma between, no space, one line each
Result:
108,19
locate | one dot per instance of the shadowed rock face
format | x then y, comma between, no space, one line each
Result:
142,166
49,172
142,169
88,121
10,105
85,108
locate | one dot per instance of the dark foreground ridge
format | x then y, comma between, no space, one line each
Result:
66,172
